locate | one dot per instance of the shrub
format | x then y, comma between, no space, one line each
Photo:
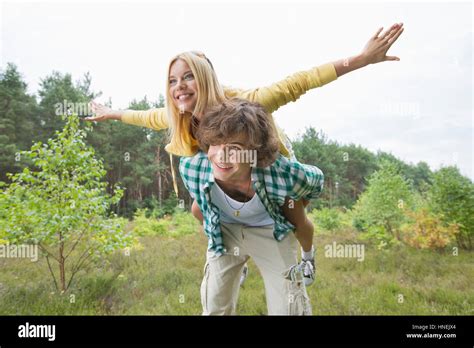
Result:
426,231
383,204
326,218
451,197
379,236
183,223
168,208
150,226
180,223
61,204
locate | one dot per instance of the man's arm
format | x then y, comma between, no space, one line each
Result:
196,211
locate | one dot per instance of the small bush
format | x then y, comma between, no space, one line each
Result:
383,203
183,223
358,223
150,226
327,219
379,236
180,223
168,208
426,231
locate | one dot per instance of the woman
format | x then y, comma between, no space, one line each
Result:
193,87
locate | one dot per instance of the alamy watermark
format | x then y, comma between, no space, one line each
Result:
37,331
238,156
69,108
401,109
22,251
345,251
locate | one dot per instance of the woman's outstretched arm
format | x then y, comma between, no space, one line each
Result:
375,51
152,118
291,88
278,94
103,113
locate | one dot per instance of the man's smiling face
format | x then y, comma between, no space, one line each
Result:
226,165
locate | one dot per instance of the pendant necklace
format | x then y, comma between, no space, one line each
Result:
237,211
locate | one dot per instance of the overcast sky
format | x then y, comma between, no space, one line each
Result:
419,109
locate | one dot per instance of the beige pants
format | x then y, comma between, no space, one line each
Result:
220,286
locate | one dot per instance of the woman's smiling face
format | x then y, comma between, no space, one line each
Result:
183,86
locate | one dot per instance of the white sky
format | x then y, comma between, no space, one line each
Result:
419,109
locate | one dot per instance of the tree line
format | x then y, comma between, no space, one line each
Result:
134,157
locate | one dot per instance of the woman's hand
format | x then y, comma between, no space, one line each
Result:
376,49
102,113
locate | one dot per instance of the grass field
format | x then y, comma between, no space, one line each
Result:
163,278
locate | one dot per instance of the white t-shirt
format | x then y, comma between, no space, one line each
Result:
253,213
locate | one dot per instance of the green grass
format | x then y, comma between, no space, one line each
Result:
163,278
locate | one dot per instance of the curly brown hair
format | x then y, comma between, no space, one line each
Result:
238,117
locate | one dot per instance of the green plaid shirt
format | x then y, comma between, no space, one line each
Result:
272,184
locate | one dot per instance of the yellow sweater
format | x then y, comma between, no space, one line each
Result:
271,98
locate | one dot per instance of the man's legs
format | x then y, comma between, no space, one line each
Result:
220,285
198,215
274,260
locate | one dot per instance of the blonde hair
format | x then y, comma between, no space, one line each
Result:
210,93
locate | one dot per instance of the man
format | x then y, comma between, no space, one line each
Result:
245,189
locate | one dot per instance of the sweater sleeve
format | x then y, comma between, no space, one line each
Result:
289,89
153,118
